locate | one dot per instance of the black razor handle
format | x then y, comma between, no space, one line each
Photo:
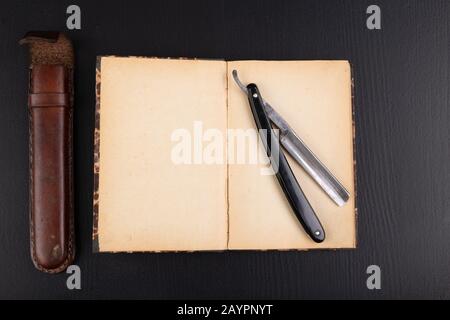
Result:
297,199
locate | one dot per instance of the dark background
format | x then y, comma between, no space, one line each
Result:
401,75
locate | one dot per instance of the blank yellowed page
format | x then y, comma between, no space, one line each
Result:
146,201
315,98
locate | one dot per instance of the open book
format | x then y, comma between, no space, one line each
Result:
165,179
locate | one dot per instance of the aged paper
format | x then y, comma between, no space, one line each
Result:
315,98
146,202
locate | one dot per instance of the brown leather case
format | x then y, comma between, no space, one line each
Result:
50,104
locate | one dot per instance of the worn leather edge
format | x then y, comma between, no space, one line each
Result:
68,62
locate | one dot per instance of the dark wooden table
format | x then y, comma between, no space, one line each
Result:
401,76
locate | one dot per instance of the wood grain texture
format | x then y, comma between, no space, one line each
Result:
402,148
